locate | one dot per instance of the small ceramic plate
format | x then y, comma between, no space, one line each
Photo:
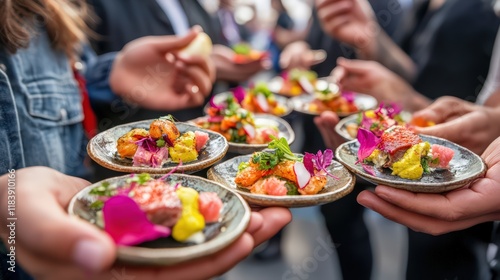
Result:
102,149
225,173
464,168
363,102
283,101
234,219
262,120
341,127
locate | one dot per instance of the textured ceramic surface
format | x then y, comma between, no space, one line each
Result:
234,219
262,120
225,173
340,128
464,168
362,101
283,101
102,149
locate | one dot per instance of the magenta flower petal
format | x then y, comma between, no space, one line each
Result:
327,158
215,105
369,169
309,162
393,110
366,122
127,224
368,142
239,93
349,96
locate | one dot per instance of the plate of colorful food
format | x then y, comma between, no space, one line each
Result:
163,219
402,159
246,132
244,53
278,177
326,96
377,121
256,99
157,146
291,83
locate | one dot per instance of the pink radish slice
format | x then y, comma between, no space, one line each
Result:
215,119
262,101
302,174
250,130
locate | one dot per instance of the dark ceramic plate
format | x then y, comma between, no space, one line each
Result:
464,168
225,173
262,120
283,101
234,219
363,102
102,149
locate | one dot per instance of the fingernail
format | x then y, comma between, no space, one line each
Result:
319,55
198,28
88,254
267,64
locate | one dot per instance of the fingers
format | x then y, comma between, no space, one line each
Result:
275,218
42,220
256,222
355,66
443,109
197,75
329,11
170,43
205,64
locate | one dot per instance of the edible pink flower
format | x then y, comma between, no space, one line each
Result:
366,122
127,224
393,110
349,96
239,93
320,161
369,169
215,105
368,142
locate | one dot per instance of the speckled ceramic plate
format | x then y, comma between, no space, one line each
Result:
275,85
283,101
102,149
225,173
234,219
363,102
341,127
262,120
464,168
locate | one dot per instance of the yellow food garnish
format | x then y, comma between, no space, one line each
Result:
370,114
191,220
184,148
409,166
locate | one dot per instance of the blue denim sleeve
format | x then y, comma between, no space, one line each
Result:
96,71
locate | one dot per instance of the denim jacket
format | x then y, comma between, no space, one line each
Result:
40,107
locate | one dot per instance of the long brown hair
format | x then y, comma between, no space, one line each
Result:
64,20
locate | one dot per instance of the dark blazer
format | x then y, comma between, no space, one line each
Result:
121,21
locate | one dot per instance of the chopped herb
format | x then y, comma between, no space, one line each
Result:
105,189
97,205
425,164
268,160
140,178
243,165
292,188
160,143
167,118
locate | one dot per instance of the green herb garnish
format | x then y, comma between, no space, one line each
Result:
105,189
97,205
139,178
160,143
268,160
243,165
167,118
425,164
292,188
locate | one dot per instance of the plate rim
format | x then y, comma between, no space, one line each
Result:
342,122
286,100
295,99
283,201
186,167
443,186
180,254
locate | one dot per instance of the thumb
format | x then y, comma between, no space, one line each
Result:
444,130
45,229
354,66
171,43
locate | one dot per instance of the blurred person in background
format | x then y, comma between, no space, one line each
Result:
437,59
119,22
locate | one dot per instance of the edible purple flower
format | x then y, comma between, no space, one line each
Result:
393,110
309,162
369,169
127,224
368,142
366,122
239,93
148,143
380,110
320,161
215,105
349,96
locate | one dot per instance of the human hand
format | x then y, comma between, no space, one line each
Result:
442,213
152,73
326,123
462,122
299,55
372,78
228,70
350,21
52,245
